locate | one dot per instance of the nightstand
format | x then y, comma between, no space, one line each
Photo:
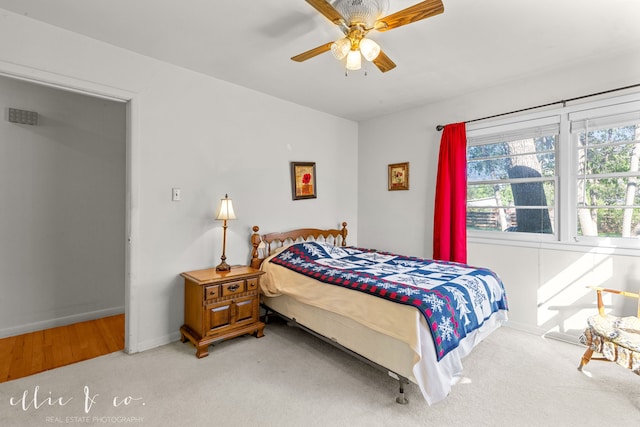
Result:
219,305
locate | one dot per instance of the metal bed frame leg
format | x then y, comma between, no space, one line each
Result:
266,313
401,399
401,381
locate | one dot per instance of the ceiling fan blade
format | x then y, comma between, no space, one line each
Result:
325,8
313,52
384,63
411,14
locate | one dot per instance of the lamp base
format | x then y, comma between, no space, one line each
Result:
223,266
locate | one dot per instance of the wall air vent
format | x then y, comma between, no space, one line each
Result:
23,117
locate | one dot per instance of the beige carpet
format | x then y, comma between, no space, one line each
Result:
289,378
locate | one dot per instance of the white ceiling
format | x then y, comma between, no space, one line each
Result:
474,44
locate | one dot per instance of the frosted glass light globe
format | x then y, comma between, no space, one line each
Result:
340,48
370,49
354,61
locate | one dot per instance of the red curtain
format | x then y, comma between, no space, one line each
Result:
450,217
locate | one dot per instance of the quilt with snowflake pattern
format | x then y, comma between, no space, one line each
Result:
454,298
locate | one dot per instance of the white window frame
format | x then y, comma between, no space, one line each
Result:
625,112
509,128
565,206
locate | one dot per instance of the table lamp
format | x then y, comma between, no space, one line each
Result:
225,212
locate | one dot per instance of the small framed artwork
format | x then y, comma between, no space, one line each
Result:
399,176
303,180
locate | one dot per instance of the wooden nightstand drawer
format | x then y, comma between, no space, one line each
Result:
211,292
233,288
252,284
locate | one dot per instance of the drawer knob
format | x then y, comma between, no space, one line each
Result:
233,288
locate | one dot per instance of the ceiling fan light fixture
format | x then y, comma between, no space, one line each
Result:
370,49
354,60
340,48
356,18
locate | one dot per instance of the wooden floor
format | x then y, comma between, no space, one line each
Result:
34,352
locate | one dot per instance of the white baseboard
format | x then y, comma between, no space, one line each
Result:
560,336
524,327
159,341
60,321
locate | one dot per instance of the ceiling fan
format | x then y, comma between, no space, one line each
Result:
356,18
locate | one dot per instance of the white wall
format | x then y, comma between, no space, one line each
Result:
545,286
207,137
62,222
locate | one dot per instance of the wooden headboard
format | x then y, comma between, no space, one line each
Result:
275,240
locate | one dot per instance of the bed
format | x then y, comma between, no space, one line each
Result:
415,319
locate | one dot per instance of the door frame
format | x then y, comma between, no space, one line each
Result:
132,161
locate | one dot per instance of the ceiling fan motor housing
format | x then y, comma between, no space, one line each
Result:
361,11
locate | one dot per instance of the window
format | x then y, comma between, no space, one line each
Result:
512,178
607,178
567,175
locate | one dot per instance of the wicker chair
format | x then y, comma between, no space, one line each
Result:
617,339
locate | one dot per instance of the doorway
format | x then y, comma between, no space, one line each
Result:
65,221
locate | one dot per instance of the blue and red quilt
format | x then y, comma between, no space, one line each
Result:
454,298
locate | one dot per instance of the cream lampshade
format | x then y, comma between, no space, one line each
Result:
225,212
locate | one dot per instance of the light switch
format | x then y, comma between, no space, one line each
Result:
176,194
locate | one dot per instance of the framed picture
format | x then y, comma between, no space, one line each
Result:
399,176
303,180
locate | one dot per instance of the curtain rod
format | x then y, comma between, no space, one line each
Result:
563,102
